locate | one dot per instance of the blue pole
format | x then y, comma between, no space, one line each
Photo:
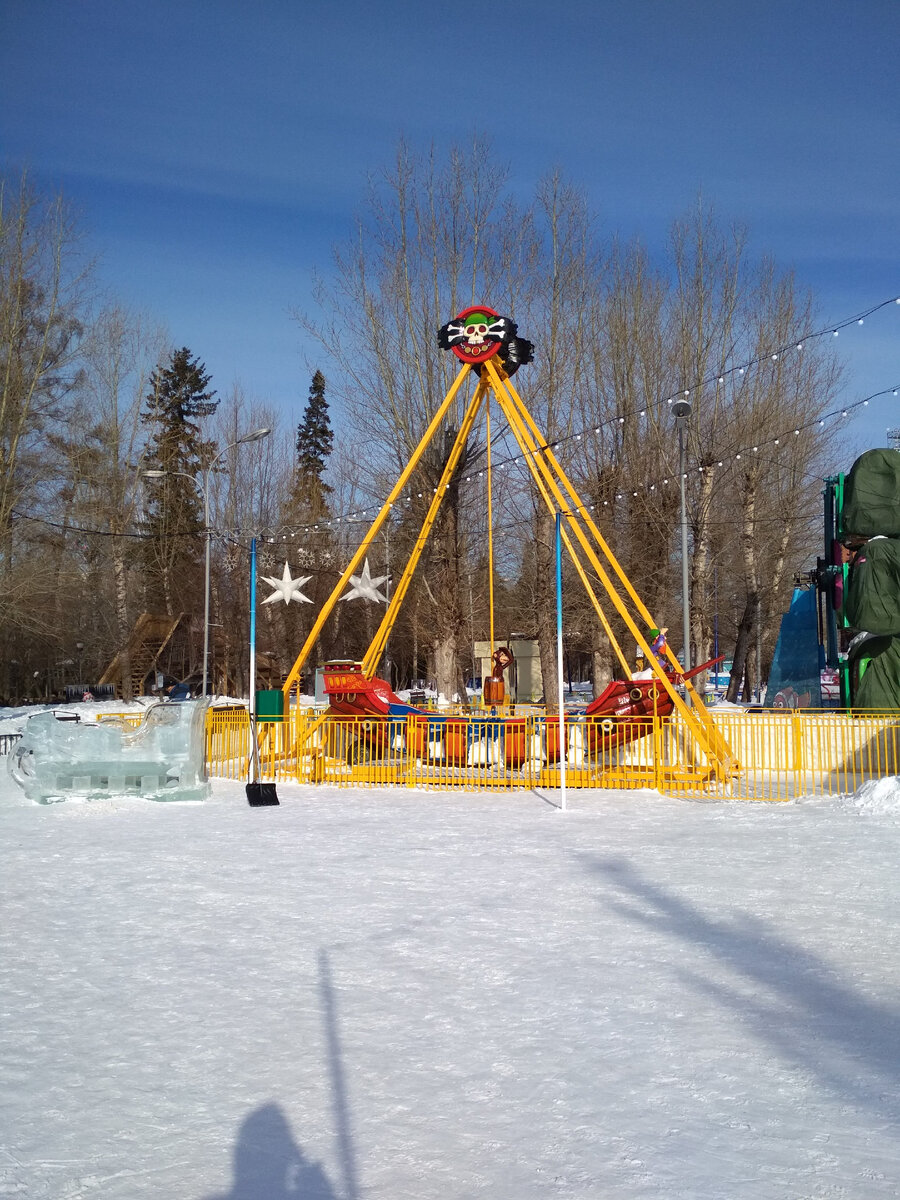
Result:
252,627
254,762
559,663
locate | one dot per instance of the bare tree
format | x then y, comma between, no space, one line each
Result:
42,282
428,245
100,453
617,337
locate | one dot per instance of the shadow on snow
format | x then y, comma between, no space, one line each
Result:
849,1043
268,1162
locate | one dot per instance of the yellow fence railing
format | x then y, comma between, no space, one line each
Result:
779,755
127,718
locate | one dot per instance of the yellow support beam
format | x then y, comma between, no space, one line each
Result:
379,641
490,527
580,531
357,558
543,464
713,735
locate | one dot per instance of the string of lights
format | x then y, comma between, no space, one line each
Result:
771,355
285,534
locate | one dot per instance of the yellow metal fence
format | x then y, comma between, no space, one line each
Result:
779,755
126,718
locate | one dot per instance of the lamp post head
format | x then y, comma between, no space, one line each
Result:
682,409
154,474
255,436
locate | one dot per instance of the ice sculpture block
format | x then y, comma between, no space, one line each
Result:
163,758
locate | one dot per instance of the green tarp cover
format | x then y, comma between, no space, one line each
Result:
872,495
872,602
872,605
879,688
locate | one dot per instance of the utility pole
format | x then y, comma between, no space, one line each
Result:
681,411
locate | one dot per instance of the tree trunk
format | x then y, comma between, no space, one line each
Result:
701,631
601,670
742,649
120,577
446,666
745,651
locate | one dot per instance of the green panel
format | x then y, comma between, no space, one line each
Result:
270,705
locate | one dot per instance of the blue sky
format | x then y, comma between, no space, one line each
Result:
217,150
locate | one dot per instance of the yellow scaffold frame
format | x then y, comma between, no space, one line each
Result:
559,495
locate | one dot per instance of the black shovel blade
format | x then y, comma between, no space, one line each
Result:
260,794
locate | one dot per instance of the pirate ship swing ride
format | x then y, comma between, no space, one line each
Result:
488,347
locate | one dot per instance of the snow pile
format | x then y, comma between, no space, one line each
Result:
879,796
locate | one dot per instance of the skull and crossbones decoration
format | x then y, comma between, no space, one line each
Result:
479,333
476,334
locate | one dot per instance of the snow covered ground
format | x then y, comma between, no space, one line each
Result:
405,996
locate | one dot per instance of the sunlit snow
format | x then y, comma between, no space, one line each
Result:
399,995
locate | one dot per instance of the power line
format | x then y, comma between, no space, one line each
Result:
750,450
719,377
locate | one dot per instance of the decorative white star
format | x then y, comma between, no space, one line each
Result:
287,589
365,587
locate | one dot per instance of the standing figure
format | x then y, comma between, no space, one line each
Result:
658,645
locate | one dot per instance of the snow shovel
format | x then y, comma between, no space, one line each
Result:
258,794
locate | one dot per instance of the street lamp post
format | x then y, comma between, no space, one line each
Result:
255,436
681,411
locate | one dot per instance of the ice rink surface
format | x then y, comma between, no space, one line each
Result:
407,996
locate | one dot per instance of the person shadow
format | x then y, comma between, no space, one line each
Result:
269,1165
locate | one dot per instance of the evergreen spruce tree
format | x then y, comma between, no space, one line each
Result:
308,508
179,394
314,443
